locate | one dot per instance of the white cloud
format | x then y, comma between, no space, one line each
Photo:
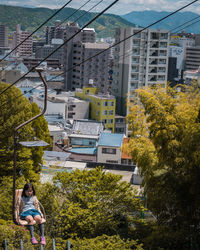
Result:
122,7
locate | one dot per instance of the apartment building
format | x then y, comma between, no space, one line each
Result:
102,107
62,32
192,60
45,50
25,49
3,35
77,50
139,61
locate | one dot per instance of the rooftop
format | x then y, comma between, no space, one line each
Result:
111,140
54,155
96,45
87,127
85,151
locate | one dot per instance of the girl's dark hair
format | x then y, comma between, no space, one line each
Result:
26,187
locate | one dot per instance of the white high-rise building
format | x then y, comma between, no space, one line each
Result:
141,60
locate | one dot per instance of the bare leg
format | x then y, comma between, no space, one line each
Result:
38,220
29,219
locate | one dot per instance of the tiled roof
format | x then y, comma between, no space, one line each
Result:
112,140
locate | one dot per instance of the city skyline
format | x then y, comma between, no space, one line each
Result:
121,8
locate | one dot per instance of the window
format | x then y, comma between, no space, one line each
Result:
104,120
105,103
110,120
111,103
109,161
104,112
109,151
111,112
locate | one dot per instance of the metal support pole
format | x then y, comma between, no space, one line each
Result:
21,244
54,244
5,242
16,137
68,245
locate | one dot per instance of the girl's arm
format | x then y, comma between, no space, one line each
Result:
36,203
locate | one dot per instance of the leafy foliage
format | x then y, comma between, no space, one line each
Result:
165,144
95,203
14,111
105,242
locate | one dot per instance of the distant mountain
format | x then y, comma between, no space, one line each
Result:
145,18
31,18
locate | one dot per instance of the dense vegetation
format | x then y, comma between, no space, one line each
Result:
31,18
97,210
165,143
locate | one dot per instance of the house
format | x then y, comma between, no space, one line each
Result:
102,106
83,154
85,133
109,148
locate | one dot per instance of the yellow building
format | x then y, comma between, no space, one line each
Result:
102,107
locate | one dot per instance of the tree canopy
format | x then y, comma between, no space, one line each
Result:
14,111
165,144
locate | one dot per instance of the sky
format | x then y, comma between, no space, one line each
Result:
120,8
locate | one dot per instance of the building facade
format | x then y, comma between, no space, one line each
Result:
139,61
3,35
102,107
25,49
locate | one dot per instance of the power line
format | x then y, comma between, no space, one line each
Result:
123,40
74,21
186,26
33,68
120,42
66,19
37,29
185,23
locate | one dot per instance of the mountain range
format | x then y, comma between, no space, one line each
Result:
31,18
172,23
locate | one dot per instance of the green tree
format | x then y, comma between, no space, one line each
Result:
41,132
95,203
105,242
165,144
14,111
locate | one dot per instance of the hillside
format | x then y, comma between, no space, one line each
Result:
31,18
145,18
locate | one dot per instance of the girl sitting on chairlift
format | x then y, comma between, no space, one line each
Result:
29,212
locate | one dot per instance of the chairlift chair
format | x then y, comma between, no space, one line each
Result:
18,194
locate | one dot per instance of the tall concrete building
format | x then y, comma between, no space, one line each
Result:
80,49
25,49
3,35
192,60
139,61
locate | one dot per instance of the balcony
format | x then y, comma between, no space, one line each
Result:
153,70
154,62
155,53
155,45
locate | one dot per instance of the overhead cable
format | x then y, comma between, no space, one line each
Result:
36,30
33,68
